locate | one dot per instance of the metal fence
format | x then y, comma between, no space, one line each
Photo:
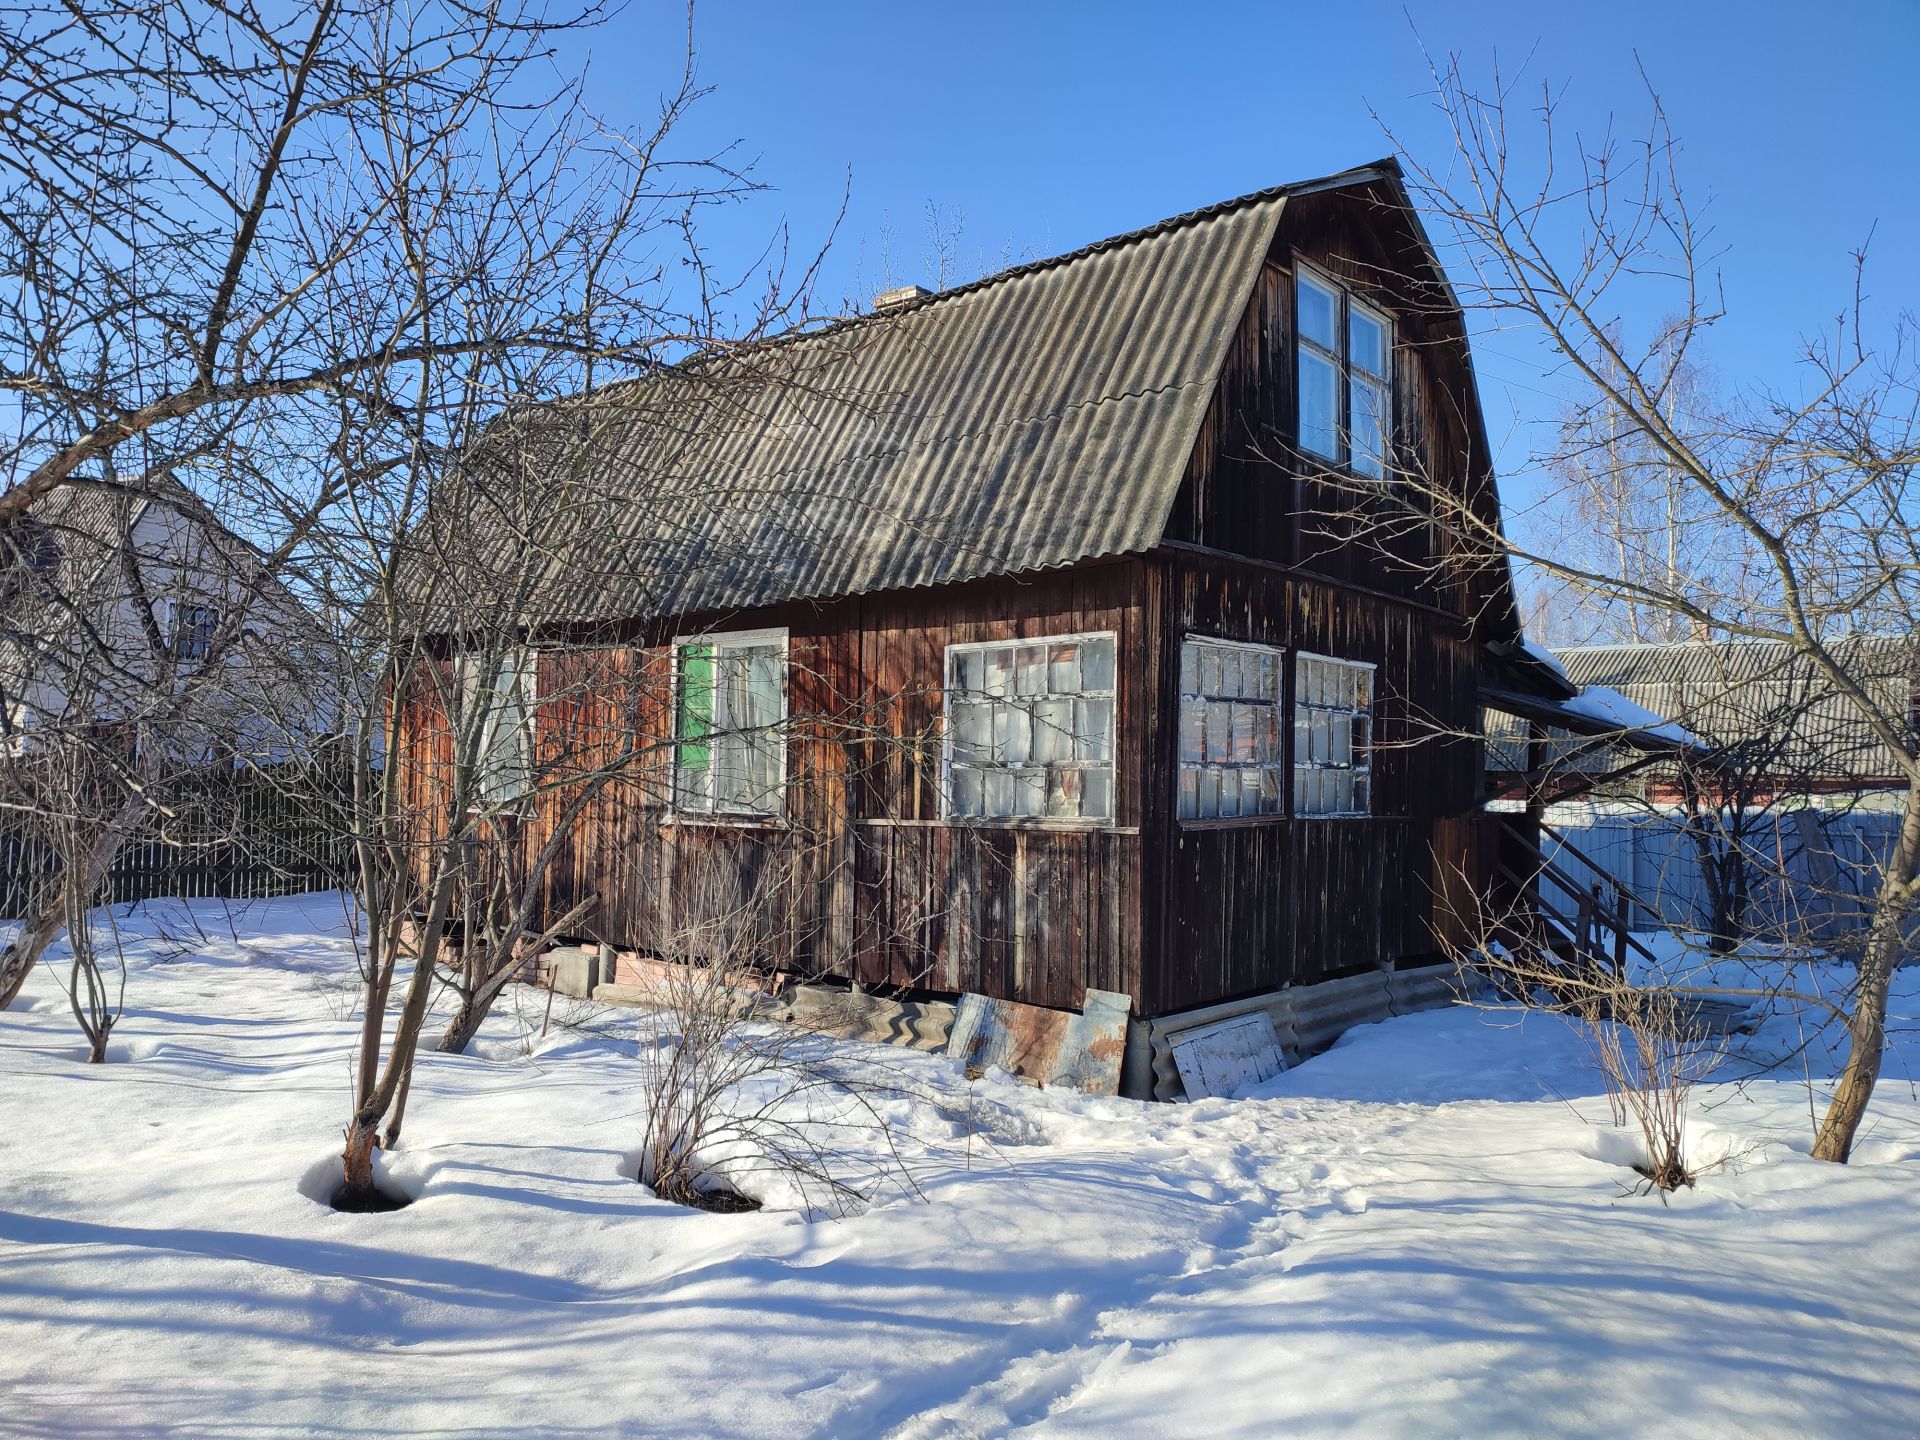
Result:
1811,871
242,834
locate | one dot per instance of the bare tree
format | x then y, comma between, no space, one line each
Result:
255,248
1815,487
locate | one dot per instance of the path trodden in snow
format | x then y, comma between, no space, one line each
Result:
1424,1232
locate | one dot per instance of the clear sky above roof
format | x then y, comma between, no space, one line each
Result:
1037,128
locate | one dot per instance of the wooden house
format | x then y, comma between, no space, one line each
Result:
1057,632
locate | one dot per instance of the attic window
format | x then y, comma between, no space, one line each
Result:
1345,370
193,629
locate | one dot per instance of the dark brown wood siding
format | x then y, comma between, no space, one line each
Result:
860,878
1251,905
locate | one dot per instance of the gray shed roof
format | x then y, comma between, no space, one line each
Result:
1037,418
1761,693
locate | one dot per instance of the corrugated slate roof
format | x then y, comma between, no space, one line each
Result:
1036,418
1739,691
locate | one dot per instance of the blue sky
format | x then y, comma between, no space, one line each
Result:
1049,126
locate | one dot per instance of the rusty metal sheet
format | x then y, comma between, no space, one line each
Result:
1044,1046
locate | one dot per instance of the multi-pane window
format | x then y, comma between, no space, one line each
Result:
1345,363
1029,729
501,704
193,627
730,709
1332,736
1230,752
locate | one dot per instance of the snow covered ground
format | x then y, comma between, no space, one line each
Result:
1426,1231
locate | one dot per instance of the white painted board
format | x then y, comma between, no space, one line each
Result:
1220,1058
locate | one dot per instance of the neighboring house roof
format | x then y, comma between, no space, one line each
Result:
1765,695
1039,417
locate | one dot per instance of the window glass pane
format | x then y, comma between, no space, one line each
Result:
1193,731
1012,734
996,792
1030,793
1319,309
1189,794
1229,793
1243,724
1053,729
1340,752
1096,664
1093,739
1209,808
1189,665
1064,669
1030,670
972,722
1230,682
1219,730
1209,670
1319,405
762,687
966,790
1063,794
1366,341
1096,793
998,679
1368,438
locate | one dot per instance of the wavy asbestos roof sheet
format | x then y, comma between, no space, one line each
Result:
1037,418
1762,696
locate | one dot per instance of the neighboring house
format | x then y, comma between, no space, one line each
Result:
113,600
1095,546
1786,725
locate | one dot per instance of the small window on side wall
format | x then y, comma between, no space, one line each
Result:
1344,363
1029,730
730,712
1332,737
1230,738
501,704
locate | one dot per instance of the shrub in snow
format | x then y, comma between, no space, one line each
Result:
736,1104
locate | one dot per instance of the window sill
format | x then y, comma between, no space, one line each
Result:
722,820
1036,822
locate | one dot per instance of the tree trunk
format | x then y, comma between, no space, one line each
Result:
464,1025
1868,1023
25,952
19,958
356,1163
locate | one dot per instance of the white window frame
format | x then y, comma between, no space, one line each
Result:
1341,359
1282,720
711,813
525,662
1111,764
1362,764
